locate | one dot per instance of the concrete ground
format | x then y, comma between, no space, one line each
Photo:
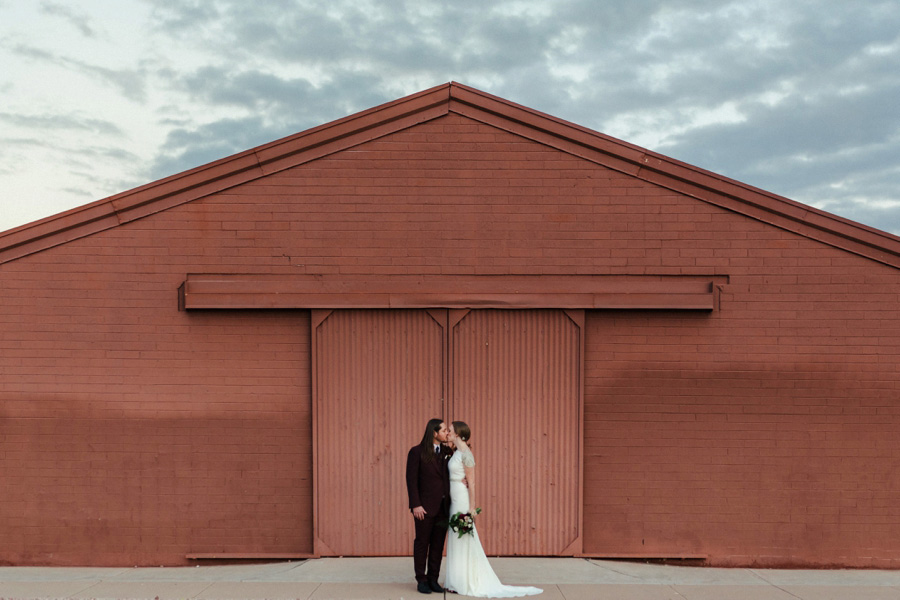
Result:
391,578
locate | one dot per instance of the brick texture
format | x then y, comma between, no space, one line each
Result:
761,433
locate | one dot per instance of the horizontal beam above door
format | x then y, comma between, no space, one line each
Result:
252,291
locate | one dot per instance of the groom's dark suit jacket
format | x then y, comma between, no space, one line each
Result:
428,482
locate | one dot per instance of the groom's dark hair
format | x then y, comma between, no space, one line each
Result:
433,427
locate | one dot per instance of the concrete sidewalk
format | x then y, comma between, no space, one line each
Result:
391,579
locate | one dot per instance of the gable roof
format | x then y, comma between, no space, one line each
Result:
430,104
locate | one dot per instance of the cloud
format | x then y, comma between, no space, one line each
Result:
186,148
78,19
781,95
387,40
264,107
131,83
55,149
60,121
813,150
86,193
252,90
267,107
885,217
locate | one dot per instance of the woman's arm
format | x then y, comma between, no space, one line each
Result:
469,469
470,479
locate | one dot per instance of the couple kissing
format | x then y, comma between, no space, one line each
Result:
440,481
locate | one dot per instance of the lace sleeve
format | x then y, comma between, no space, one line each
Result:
468,459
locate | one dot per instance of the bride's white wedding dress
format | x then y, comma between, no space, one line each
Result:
468,571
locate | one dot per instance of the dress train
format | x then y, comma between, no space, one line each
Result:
469,572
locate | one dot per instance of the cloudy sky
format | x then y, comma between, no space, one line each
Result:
798,97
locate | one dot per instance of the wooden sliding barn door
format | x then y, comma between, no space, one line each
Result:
514,378
513,375
378,380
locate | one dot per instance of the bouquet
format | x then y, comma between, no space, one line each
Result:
463,523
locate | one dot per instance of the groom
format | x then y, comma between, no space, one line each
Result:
428,485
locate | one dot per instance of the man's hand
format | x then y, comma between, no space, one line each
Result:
419,513
465,482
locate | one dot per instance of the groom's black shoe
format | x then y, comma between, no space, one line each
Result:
435,587
424,588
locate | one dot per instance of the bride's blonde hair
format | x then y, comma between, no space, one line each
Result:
462,430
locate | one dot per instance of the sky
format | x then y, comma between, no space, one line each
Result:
800,98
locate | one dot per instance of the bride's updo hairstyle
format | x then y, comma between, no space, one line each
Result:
462,430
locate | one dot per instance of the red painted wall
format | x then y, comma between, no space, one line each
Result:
761,434
758,434
133,434
757,438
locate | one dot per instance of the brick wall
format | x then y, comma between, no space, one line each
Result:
133,433
762,434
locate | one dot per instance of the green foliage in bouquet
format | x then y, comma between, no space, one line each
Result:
463,523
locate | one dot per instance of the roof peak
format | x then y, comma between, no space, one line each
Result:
450,97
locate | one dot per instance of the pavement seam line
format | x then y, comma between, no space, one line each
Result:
605,568
313,593
92,585
211,583
291,566
777,587
675,590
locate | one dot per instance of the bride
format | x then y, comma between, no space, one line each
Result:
468,571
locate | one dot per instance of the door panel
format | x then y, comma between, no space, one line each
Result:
378,382
514,378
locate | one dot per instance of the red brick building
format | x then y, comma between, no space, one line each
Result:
656,361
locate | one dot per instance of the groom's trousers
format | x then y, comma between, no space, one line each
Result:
428,547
